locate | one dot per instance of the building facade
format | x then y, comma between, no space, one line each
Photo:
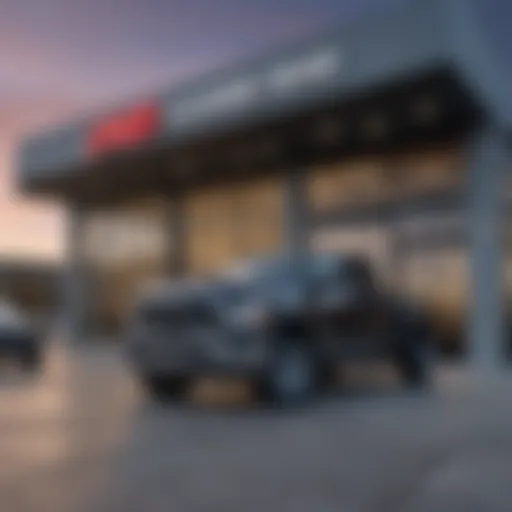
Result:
388,138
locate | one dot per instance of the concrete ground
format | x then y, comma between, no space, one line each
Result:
83,437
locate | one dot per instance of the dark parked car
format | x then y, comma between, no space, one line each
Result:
287,324
18,339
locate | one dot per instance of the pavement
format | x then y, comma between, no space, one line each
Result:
83,437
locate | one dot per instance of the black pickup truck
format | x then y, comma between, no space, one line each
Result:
287,324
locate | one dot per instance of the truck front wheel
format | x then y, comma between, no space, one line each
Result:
291,374
415,363
165,388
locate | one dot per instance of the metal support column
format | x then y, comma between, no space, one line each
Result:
74,286
177,234
297,229
487,164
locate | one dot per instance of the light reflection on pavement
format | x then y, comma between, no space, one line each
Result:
82,437
58,431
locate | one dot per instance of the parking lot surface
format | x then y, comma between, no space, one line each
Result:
83,437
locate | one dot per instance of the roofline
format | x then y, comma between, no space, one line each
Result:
368,51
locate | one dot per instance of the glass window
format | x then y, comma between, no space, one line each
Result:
125,247
350,183
439,280
231,223
368,180
426,171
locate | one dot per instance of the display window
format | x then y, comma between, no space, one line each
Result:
369,180
126,248
232,223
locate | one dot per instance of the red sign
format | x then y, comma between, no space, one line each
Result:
123,130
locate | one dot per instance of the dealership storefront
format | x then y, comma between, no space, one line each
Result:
381,140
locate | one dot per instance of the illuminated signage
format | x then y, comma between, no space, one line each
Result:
123,130
223,99
311,71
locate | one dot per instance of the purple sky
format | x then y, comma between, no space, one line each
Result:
58,57
65,54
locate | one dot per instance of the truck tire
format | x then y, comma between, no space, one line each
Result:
165,388
415,363
414,346
291,375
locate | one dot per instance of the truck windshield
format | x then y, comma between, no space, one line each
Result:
280,270
227,294
274,273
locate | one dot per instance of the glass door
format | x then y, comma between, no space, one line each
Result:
127,248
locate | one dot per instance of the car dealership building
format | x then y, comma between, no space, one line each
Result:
387,138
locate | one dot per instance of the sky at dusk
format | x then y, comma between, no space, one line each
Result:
61,57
